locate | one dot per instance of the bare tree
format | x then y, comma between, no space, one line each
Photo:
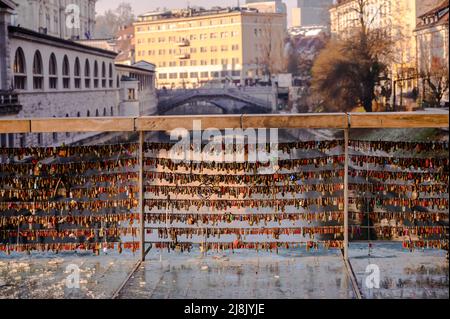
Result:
349,70
270,58
107,24
436,80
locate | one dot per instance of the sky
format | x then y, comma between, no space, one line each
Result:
141,6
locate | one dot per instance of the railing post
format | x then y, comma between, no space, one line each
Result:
346,139
141,195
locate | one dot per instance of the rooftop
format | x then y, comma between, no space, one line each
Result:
191,12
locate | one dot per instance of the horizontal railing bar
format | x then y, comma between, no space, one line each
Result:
293,121
286,121
88,124
15,126
166,123
399,120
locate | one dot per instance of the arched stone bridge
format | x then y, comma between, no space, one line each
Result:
226,100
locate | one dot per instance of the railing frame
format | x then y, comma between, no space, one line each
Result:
341,121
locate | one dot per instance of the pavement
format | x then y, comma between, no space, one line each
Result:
291,274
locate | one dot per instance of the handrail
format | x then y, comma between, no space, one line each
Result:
287,121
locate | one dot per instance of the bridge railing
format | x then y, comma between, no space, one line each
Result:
339,121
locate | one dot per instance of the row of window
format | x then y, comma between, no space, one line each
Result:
164,64
223,48
20,73
192,37
196,75
191,24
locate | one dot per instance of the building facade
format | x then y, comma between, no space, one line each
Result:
45,76
274,6
311,13
432,38
398,19
66,19
195,46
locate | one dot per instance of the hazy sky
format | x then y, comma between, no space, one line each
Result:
141,6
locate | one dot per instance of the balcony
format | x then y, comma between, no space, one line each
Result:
184,43
184,56
9,103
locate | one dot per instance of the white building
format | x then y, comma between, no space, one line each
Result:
45,76
432,39
66,19
311,13
273,6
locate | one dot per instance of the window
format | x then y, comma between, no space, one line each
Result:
103,75
112,111
96,113
52,71
235,47
77,73
20,77
110,75
224,73
162,76
193,50
193,62
224,48
203,62
95,74
193,37
224,35
183,63
173,75
131,94
214,61
87,74
78,114
37,72
224,61
214,49
215,74
235,60
104,111
203,49
118,81
236,73
234,33
66,73
39,138
194,75
204,74
173,63
88,114
213,35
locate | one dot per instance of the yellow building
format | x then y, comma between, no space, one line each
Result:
194,46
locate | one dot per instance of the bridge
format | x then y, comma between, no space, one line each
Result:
228,100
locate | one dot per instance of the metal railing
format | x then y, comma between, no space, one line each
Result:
340,121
